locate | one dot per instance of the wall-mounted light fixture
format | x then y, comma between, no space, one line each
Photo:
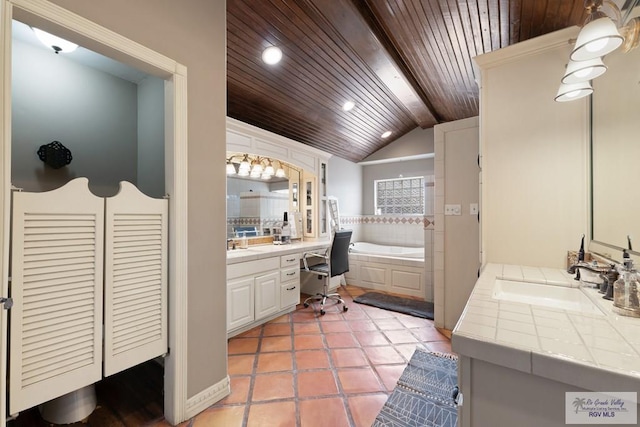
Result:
571,92
54,42
256,167
599,36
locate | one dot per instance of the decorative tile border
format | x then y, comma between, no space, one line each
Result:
425,221
232,221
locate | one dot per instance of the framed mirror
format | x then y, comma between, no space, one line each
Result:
256,205
615,154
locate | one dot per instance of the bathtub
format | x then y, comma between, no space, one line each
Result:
396,269
385,250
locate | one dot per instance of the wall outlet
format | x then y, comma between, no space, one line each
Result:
452,209
473,209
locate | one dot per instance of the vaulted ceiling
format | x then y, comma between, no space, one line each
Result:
405,63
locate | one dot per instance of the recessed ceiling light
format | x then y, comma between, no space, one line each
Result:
386,134
272,55
348,105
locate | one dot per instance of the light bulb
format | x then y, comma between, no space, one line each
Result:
272,55
596,45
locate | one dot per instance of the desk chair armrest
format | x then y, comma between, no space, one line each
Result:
315,255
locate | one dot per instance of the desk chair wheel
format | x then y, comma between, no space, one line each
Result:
345,308
306,305
322,312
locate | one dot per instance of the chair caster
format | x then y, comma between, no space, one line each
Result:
345,308
322,312
306,305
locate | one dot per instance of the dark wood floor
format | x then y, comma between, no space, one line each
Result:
131,398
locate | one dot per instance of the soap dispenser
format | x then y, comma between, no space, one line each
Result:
626,295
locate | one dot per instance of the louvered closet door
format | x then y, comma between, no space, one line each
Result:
57,266
135,279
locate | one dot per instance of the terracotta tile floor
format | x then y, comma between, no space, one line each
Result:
303,369
300,369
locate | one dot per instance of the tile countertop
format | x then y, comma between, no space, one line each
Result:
257,252
590,351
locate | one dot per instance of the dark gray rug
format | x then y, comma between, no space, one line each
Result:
409,306
426,394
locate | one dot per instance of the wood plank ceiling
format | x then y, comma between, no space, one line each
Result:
405,63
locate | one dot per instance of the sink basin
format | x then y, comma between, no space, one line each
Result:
572,299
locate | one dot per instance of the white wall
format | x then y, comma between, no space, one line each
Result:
151,136
457,237
345,183
92,113
534,152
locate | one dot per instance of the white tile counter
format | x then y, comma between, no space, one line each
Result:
257,252
590,351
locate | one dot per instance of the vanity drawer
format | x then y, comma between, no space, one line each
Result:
289,294
251,267
291,260
290,274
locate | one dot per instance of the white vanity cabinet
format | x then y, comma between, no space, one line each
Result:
267,298
240,302
261,289
289,280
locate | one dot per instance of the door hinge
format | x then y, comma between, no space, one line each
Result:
6,302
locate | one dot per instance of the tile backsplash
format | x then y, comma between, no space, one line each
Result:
389,229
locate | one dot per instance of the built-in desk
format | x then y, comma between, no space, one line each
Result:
263,282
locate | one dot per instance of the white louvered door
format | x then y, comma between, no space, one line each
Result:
57,271
135,279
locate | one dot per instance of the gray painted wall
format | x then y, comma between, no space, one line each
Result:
345,183
406,168
92,113
194,34
418,141
151,136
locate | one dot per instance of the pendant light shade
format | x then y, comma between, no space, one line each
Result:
571,92
596,39
582,71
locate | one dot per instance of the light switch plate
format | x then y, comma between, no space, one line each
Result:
452,209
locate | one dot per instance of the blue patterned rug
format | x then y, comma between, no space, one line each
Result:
426,394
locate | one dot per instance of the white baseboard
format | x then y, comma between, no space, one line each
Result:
207,397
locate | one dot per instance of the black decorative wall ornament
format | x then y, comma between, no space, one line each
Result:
55,154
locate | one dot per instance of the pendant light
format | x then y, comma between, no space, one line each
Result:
571,92
599,35
582,71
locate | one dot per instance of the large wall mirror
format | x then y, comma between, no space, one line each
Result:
256,204
616,153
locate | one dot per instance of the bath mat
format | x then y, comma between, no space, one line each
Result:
426,394
409,306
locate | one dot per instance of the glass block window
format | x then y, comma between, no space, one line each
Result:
400,196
